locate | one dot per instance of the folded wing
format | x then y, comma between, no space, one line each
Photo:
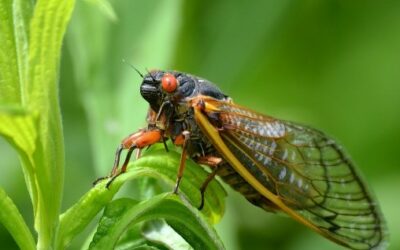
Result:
306,173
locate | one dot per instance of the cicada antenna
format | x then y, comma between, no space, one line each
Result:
151,75
133,67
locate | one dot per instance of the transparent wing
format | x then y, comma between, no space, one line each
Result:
307,170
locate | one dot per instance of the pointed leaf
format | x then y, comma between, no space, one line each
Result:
156,163
15,224
47,28
122,213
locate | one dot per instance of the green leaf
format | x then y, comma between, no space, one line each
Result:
156,163
47,28
76,218
29,71
18,127
132,238
15,224
14,16
122,213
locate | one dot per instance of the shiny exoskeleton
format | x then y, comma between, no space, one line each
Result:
277,165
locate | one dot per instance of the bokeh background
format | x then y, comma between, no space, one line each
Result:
334,65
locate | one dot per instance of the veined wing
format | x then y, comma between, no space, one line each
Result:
301,170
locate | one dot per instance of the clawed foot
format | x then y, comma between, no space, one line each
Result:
110,181
100,179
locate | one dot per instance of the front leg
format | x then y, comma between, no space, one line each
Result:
138,140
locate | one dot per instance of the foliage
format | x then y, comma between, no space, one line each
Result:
330,64
30,59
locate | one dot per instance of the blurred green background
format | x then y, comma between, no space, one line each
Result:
334,65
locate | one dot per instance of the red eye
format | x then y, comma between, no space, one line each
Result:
169,83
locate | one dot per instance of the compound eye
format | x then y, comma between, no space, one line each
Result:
169,83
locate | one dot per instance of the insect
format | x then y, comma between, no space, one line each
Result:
277,165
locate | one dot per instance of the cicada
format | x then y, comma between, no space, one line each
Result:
275,164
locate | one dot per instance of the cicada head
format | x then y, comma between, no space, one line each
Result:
150,90
173,86
161,86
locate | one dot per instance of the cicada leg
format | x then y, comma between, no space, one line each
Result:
213,162
182,165
115,167
114,173
134,141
